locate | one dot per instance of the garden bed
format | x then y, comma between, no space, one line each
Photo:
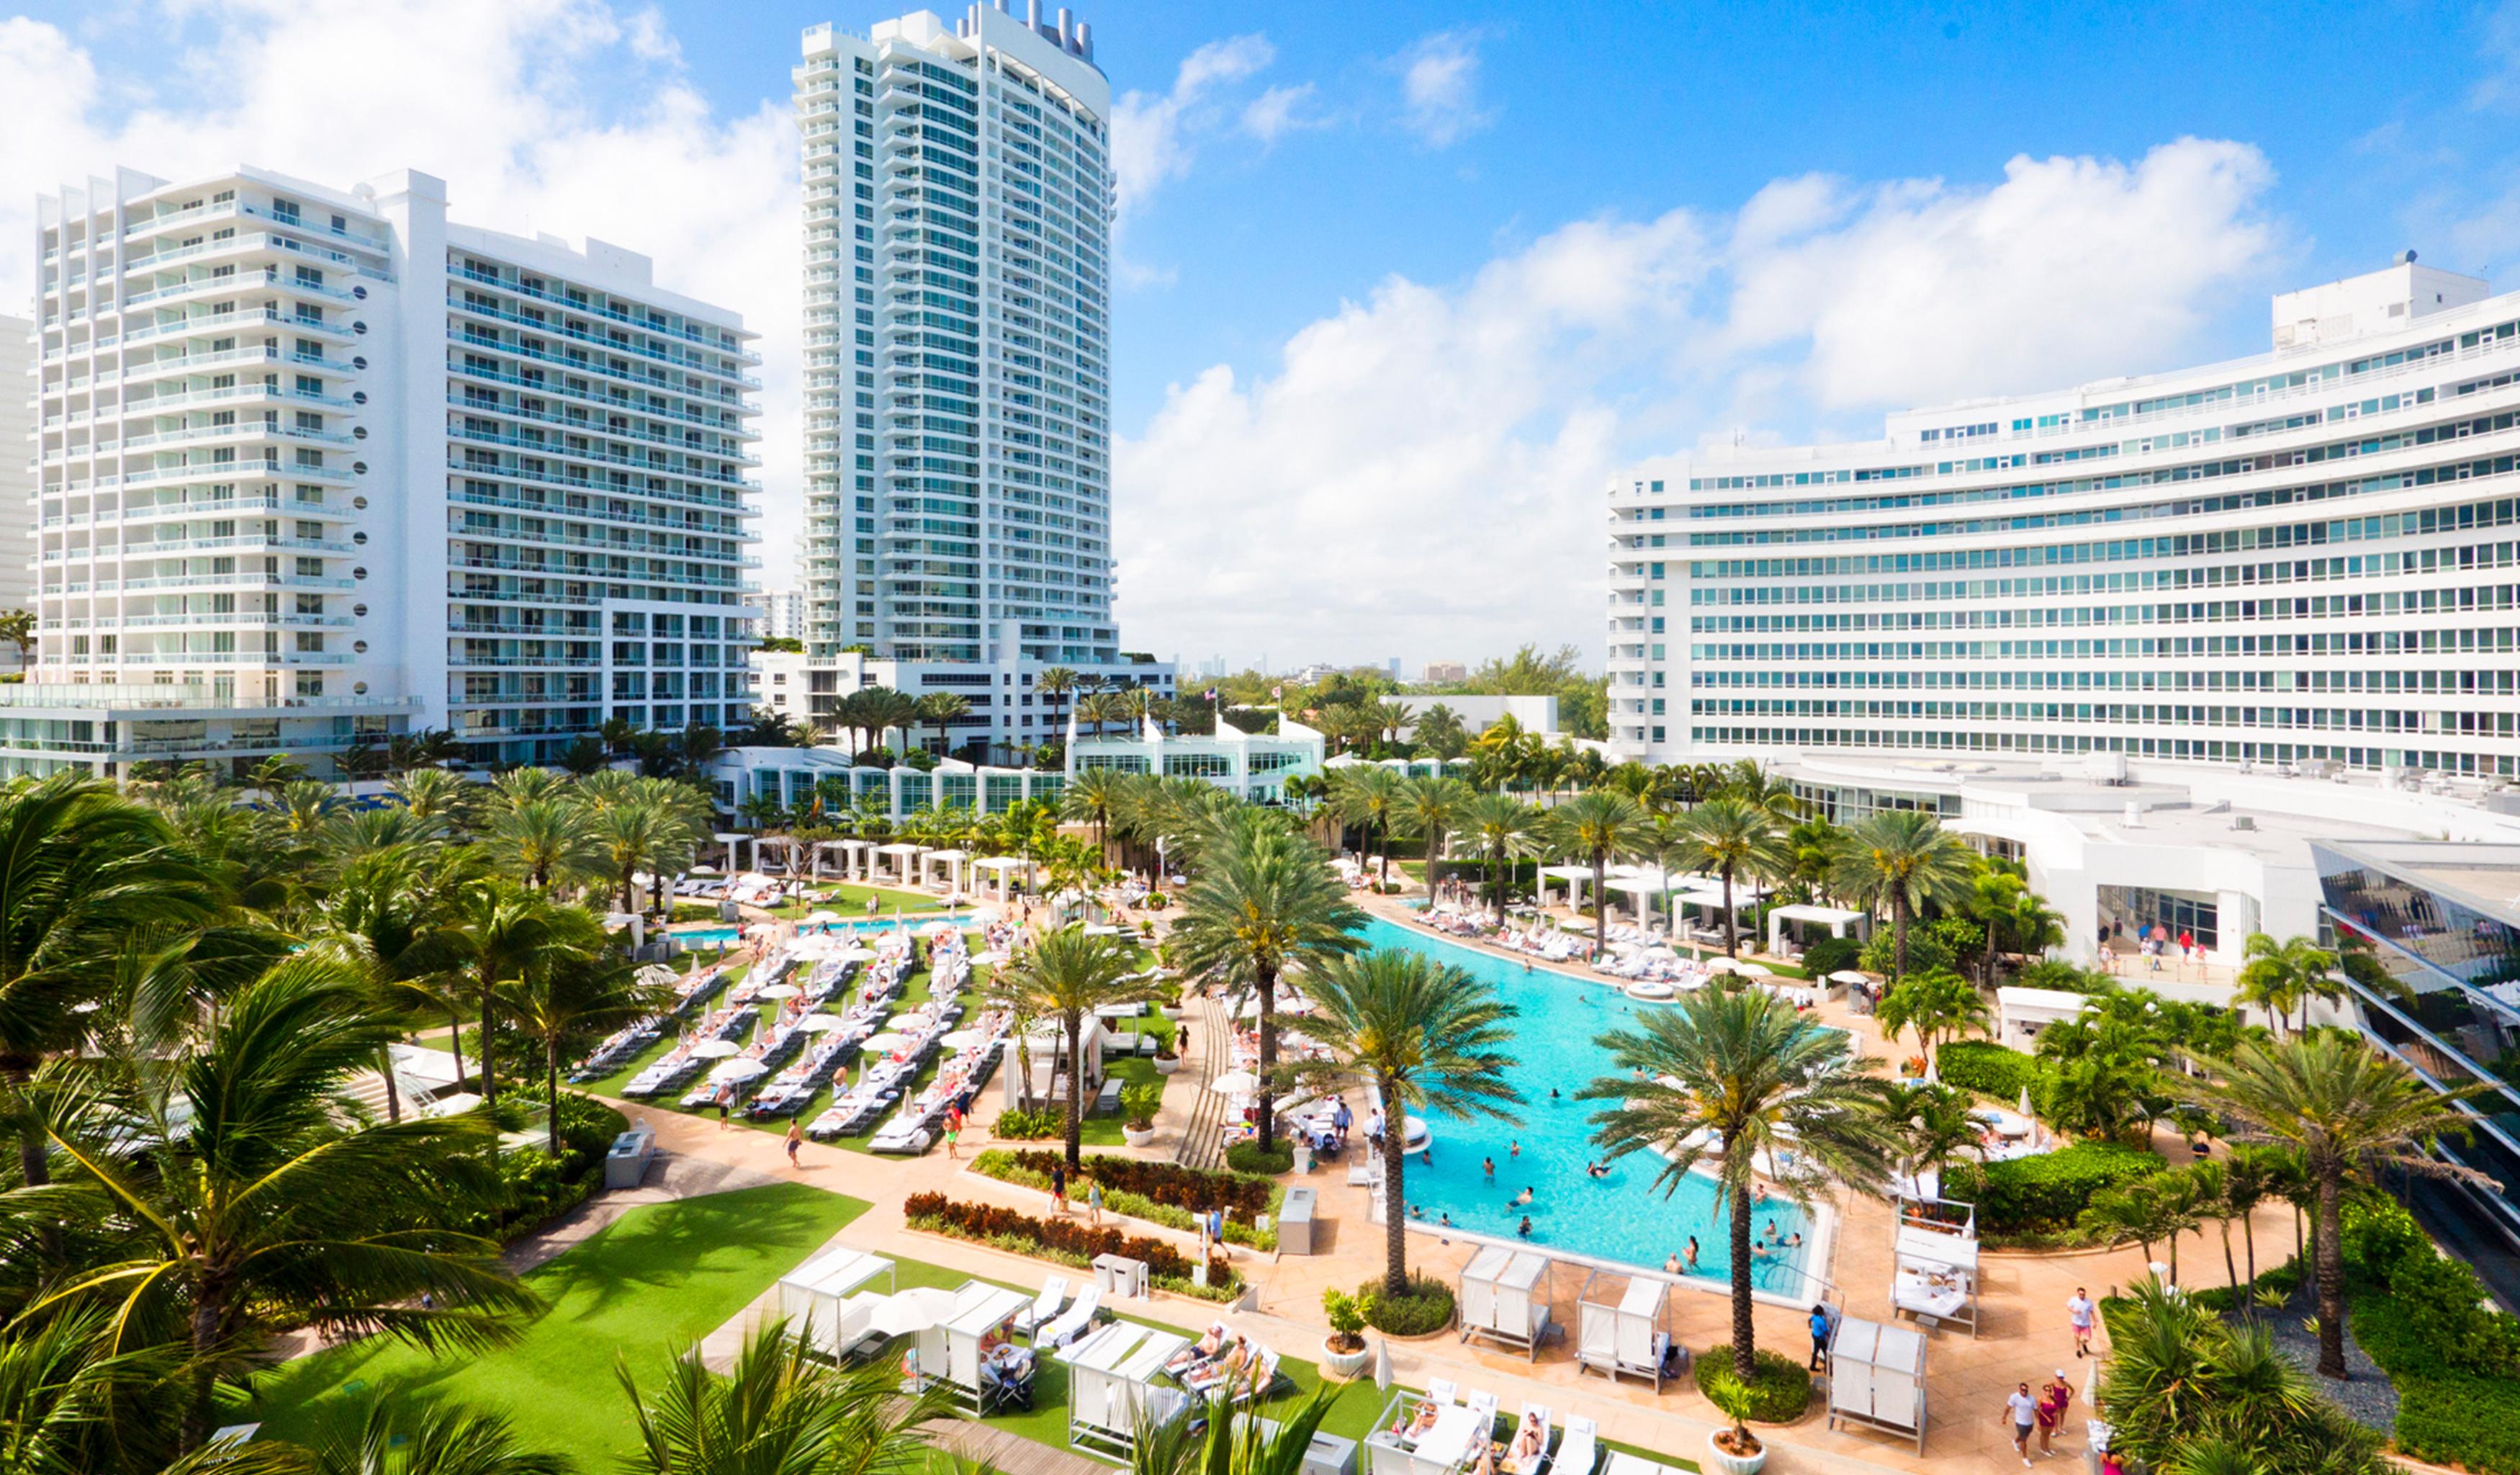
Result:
1068,1242
1160,1193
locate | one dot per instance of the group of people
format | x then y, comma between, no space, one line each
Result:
2151,944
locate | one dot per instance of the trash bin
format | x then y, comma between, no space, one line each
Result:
626,1164
1120,1275
1296,1223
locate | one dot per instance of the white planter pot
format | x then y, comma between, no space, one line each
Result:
1734,1464
1164,1067
1137,1138
1344,1365
1174,1012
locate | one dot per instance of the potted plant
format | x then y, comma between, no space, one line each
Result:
1167,1059
1343,1351
1734,1450
1138,1107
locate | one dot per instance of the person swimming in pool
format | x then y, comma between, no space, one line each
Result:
1520,1199
1692,1252
1488,1165
1597,1170
1525,1228
1671,1266
1445,1218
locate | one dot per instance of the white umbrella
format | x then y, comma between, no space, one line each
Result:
823,916
819,1024
1746,970
779,991
739,1070
885,1042
2025,1101
856,955
1102,929
716,1050
1382,1364
914,1311
1722,964
1849,976
964,1039
1234,1084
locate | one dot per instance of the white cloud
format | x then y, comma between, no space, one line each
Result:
1422,471
1439,87
1277,111
562,116
1155,137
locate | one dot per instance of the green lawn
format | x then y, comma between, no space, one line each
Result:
664,1275
849,899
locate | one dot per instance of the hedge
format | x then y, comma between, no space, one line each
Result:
2454,1361
2044,1194
1162,1194
1247,1157
1068,1242
1982,1064
1424,1309
1779,1387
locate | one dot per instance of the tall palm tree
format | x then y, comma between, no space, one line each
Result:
1068,975
503,932
1439,733
392,1436
777,1411
84,874
523,786
546,842
1432,806
253,1202
1906,860
1423,1035
2348,1109
435,794
385,924
1095,795
943,708
1097,708
1936,1004
1264,900
579,986
632,837
1054,684
1933,1126
1741,1079
1507,829
1368,796
1734,836
2280,977
1598,825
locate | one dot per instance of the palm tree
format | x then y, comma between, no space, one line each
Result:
503,932
1423,1035
944,708
583,756
2281,976
384,924
777,1411
1439,733
1098,707
1738,1076
83,874
1933,1126
18,628
1936,1004
1507,829
1094,796
2349,1109
253,1203
2152,1209
631,838
1904,857
2252,1174
579,986
2187,1393
1069,975
1233,1440
1367,796
1601,824
1054,684
1431,807
545,842
393,1437
1264,900
1736,836
435,794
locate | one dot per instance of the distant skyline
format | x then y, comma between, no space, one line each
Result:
1399,288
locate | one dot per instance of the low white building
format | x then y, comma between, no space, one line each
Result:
1479,713
1254,766
797,776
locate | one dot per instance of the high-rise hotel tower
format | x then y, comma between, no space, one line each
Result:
958,342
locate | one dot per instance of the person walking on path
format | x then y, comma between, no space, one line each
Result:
2079,1312
2025,1417
2052,1400
796,1139
725,1103
1059,1188
1094,1199
1820,1336
953,1130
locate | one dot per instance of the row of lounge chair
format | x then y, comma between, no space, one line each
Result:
677,1067
625,1043
1223,1363
1535,1448
1054,1321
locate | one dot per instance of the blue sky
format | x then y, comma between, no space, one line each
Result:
1401,286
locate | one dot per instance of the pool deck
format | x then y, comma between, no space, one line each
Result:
2023,1333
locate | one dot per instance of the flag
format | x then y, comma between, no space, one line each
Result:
1209,696
1275,692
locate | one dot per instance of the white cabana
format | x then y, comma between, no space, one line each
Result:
954,863
1572,875
1047,1046
820,1299
1007,872
857,859
1116,1389
1839,922
948,1353
1626,1336
2021,1013
904,859
1933,1273
1876,1378
1647,887
1505,1298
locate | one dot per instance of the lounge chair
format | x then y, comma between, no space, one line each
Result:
1052,1300
1445,1390
1581,1449
1071,1322
1189,1359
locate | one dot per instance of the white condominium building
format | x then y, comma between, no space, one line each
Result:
17,471
2304,556
778,614
958,340
316,467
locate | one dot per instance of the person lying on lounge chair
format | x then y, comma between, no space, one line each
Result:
1203,1350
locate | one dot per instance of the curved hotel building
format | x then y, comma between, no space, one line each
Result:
2301,556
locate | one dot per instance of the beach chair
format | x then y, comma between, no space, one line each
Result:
1259,1378
1071,1322
1582,1449
1046,1306
1443,1392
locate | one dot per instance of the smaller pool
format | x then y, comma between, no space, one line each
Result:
727,936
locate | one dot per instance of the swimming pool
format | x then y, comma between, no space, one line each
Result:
1622,1217
727,936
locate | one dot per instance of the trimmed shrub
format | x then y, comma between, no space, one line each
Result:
1831,956
1067,1241
1982,1064
2455,1360
1925,952
2047,1193
1247,1157
1780,1388
1162,1182
1426,1309
1039,1124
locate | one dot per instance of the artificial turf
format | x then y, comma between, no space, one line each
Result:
662,1276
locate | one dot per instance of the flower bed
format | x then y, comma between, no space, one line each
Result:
2044,1195
1161,1193
1068,1242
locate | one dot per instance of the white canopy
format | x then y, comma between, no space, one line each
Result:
949,854
1877,1378
900,848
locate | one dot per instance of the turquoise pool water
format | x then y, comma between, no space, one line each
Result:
1621,1217
727,936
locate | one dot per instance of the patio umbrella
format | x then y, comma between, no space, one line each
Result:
964,1039
1849,976
2025,1100
1234,1084
819,1024
1722,964
914,1311
857,956
885,1042
716,1050
1746,970
823,916
779,991
739,1070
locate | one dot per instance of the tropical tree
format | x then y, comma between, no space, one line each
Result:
1906,860
1096,708
18,628
2187,1393
1231,1439
1431,807
2348,1110
1439,734
435,794
2280,977
577,988
777,1411
546,841
501,933
943,708
1069,975
1422,1034
383,922
1368,796
1933,1126
1740,1079
1598,825
1264,900
247,1200
1054,684
1936,1004
2152,1209
1734,836
1506,829
400,1436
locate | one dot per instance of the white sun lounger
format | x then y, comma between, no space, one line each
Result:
1069,1322
1582,1449
1047,1305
